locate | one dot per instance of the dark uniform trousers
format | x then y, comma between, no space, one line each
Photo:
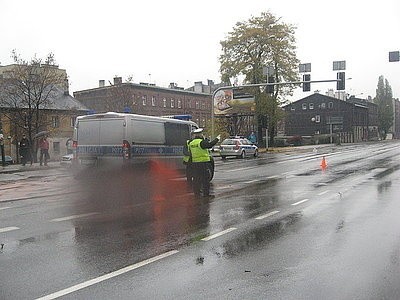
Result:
200,178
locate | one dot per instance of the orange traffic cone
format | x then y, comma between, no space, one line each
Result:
323,163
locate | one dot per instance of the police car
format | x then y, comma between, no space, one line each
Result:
237,146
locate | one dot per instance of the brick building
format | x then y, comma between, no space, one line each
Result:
148,99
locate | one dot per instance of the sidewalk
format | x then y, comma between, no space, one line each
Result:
15,168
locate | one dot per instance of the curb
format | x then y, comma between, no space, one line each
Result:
19,168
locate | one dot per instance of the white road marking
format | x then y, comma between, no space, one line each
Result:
73,217
106,276
251,181
223,187
218,234
239,169
323,193
267,215
5,229
6,207
302,201
273,177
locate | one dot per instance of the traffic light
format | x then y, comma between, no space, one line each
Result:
306,85
341,84
270,88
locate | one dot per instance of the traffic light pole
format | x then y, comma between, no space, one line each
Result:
237,87
3,158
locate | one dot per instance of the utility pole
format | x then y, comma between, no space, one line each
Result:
3,158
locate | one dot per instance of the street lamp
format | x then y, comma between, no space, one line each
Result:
314,120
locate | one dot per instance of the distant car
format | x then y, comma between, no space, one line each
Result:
66,160
239,147
8,160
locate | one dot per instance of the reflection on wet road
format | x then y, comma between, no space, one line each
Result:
112,219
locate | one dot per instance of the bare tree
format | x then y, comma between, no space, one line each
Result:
27,89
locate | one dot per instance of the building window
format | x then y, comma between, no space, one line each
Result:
317,119
197,105
330,105
323,105
153,101
304,106
292,108
311,106
179,103
144,100
189,103
172,103
164,102
72,121
55,121
56,147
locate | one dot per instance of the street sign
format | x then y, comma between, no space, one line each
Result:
268,71
304,68
394,56
335,120
339,65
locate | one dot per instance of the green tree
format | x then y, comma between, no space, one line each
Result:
384,100
259,42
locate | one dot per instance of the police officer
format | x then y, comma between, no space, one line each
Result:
198,147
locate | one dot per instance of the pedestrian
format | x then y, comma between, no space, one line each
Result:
44,151
25,150
253,138
198,147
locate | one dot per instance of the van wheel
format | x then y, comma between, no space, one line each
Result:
256,153
223,157
242,155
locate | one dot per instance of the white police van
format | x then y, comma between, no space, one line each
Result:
121,138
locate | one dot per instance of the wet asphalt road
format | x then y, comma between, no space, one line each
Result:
289,230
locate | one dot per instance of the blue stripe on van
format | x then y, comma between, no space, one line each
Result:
135,150
156,150
100,150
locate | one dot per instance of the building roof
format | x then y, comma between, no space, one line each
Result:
64,101
58,100
320,98
145,86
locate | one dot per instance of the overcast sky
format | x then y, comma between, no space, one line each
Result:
179,40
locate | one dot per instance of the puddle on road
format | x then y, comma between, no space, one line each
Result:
387,172
384,186
66,236
253,239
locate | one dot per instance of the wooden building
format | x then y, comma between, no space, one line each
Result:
318,116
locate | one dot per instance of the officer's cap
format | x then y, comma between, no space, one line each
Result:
198,130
